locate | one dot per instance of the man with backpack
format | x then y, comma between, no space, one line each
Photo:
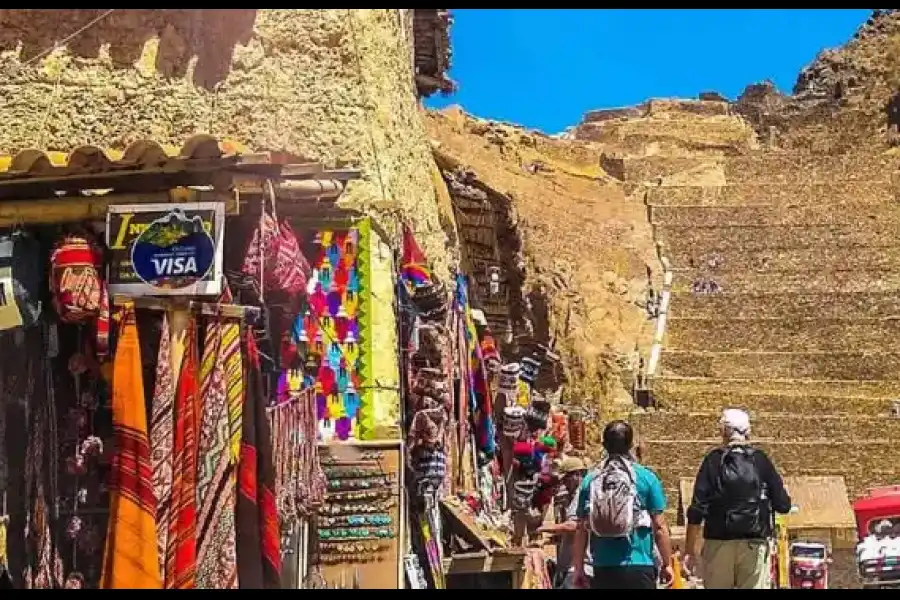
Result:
620,512
735,492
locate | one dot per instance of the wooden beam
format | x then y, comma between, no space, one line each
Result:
73,209
210,309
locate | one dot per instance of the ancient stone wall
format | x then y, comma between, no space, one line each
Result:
334,85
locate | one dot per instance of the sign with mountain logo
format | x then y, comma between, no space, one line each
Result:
165,249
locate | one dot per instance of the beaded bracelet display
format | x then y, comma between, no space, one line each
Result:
355,520
350,495
349,472
355,508
368,456
358,484
363,557
356,533
342,547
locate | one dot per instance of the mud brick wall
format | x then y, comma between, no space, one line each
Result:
332,85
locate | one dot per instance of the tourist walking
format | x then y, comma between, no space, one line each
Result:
620,512
735,492
572,470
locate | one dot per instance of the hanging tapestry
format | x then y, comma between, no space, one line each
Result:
216,484
161,437
259,551
181,551
130,558
332,332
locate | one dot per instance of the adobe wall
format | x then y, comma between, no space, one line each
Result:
333,85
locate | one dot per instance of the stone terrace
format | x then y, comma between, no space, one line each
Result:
803,332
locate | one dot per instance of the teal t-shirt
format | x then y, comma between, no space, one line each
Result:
637,549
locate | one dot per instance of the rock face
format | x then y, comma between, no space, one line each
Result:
331,85
571,245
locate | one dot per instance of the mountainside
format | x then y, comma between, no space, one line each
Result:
776,220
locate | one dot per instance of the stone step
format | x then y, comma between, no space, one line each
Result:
708,240
828,256
831,193
783,365
827,388
795,215
783,426
819,281
863,463
792,167
857,483
868,399
782,335
797,305
651,168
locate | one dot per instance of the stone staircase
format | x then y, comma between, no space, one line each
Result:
804,331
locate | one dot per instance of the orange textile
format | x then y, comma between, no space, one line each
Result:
130,559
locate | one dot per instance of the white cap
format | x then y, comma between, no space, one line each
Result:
737,420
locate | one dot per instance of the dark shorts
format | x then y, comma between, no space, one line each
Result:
624,578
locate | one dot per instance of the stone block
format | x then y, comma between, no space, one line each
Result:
788,167
784,305
794,215
774,365
782,335
707,240
782,427
762,191
834,257
816,281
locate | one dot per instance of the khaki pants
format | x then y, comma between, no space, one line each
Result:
736,564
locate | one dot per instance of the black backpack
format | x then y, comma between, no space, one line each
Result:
741,491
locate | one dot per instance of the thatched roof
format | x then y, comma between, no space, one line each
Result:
431,39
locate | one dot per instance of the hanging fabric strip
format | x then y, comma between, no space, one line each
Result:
216,562
161,439
259,551
130,558
181,551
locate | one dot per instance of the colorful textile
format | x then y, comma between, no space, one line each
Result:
479,391
181,545
130,559
216,484
162,438
329,335
414,271
259,551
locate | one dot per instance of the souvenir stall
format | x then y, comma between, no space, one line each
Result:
149,436
339,346
483,443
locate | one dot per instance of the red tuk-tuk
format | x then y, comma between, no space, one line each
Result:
878,528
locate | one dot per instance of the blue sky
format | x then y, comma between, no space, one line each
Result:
544,68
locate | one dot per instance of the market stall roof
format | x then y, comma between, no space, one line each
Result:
822,502
146,166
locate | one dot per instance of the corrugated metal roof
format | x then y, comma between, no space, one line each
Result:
822,502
